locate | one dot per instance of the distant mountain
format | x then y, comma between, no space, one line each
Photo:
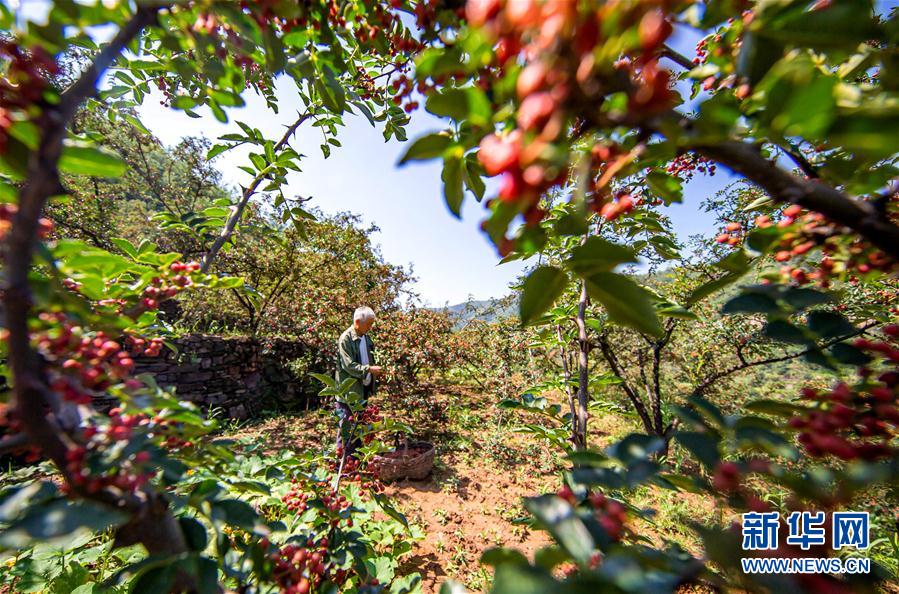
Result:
488,310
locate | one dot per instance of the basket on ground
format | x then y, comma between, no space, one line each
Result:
412,460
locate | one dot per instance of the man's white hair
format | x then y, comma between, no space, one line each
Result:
363,313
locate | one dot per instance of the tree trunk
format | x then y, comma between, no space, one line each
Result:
583,370
566,374
152,522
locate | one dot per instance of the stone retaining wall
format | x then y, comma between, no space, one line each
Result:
239,377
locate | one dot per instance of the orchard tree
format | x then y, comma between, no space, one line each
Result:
73,312
303,279
797,97
158,185
593,93
573,326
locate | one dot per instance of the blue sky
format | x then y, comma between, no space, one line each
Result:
450,258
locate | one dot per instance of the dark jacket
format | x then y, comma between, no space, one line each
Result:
348,364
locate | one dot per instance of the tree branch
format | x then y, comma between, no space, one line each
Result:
249,191
744,158
796,155
638,405
861,216
708,381
151,521
677,57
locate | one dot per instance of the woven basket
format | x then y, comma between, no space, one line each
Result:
414,460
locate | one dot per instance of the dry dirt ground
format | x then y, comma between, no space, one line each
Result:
484,469
473,498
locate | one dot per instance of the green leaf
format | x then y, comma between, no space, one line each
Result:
58,519
802,298
469,103
751,303
155,580
843,24
15,500
625,301
472,176
499,555
83,159
756,57
184,102
541,289
550,557
774,407
669,188
702,445
522,579
560,519
207,576
194,533
599,255
384,503
381,568
677,311
126,246
829,324
763,239
635,447
452,183
784,331
237,513
868,130
229,282
849,355
427,147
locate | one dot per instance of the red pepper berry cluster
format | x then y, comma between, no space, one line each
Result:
570,570
166,288
610,514
359,472
299,569
859,421
296,498
148,348
173,280
126,475
81,363
556,40
728,479
808,231
687,165
732,235
702,52
8,213
403,87
371,414
12,425
621,205
26,78
603,157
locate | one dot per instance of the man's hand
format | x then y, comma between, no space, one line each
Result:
375,370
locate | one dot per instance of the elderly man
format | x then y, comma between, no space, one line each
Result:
355,360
